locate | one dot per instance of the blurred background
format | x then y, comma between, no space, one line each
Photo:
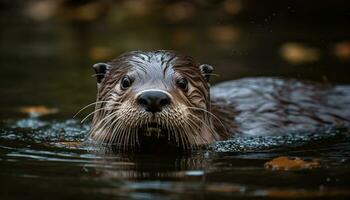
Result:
47,47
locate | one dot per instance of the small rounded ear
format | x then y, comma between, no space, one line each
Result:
206,70
100,70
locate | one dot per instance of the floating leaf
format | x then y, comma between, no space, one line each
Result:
36,111
285,163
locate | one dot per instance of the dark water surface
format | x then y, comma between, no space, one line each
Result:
47,48
51,161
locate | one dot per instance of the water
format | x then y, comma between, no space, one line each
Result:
54,160
45,61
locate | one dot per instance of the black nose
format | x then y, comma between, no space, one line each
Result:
153,101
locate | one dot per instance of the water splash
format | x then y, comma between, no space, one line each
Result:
36,130
282,140
39,131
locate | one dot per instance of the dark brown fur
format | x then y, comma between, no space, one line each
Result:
197,116
190,120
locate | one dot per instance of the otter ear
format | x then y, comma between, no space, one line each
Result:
100,70
206,70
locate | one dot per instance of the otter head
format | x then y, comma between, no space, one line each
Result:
144,97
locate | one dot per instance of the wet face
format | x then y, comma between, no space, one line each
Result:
153,96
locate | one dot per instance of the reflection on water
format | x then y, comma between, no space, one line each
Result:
38,156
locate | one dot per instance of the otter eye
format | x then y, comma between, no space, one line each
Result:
182,83
125,83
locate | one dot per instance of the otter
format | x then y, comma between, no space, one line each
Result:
165,98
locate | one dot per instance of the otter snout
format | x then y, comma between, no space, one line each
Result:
153,101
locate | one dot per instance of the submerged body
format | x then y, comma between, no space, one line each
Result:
275,106
164,98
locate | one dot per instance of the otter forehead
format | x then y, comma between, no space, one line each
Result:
154,67
157,62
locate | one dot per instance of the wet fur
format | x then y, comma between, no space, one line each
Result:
189,120
255,106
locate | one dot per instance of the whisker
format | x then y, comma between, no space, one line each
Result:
108,118
199,128
110,132
182,135
113,128
95,111
210,129
116,131
195,108
91,104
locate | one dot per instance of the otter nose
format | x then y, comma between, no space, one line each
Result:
153,101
